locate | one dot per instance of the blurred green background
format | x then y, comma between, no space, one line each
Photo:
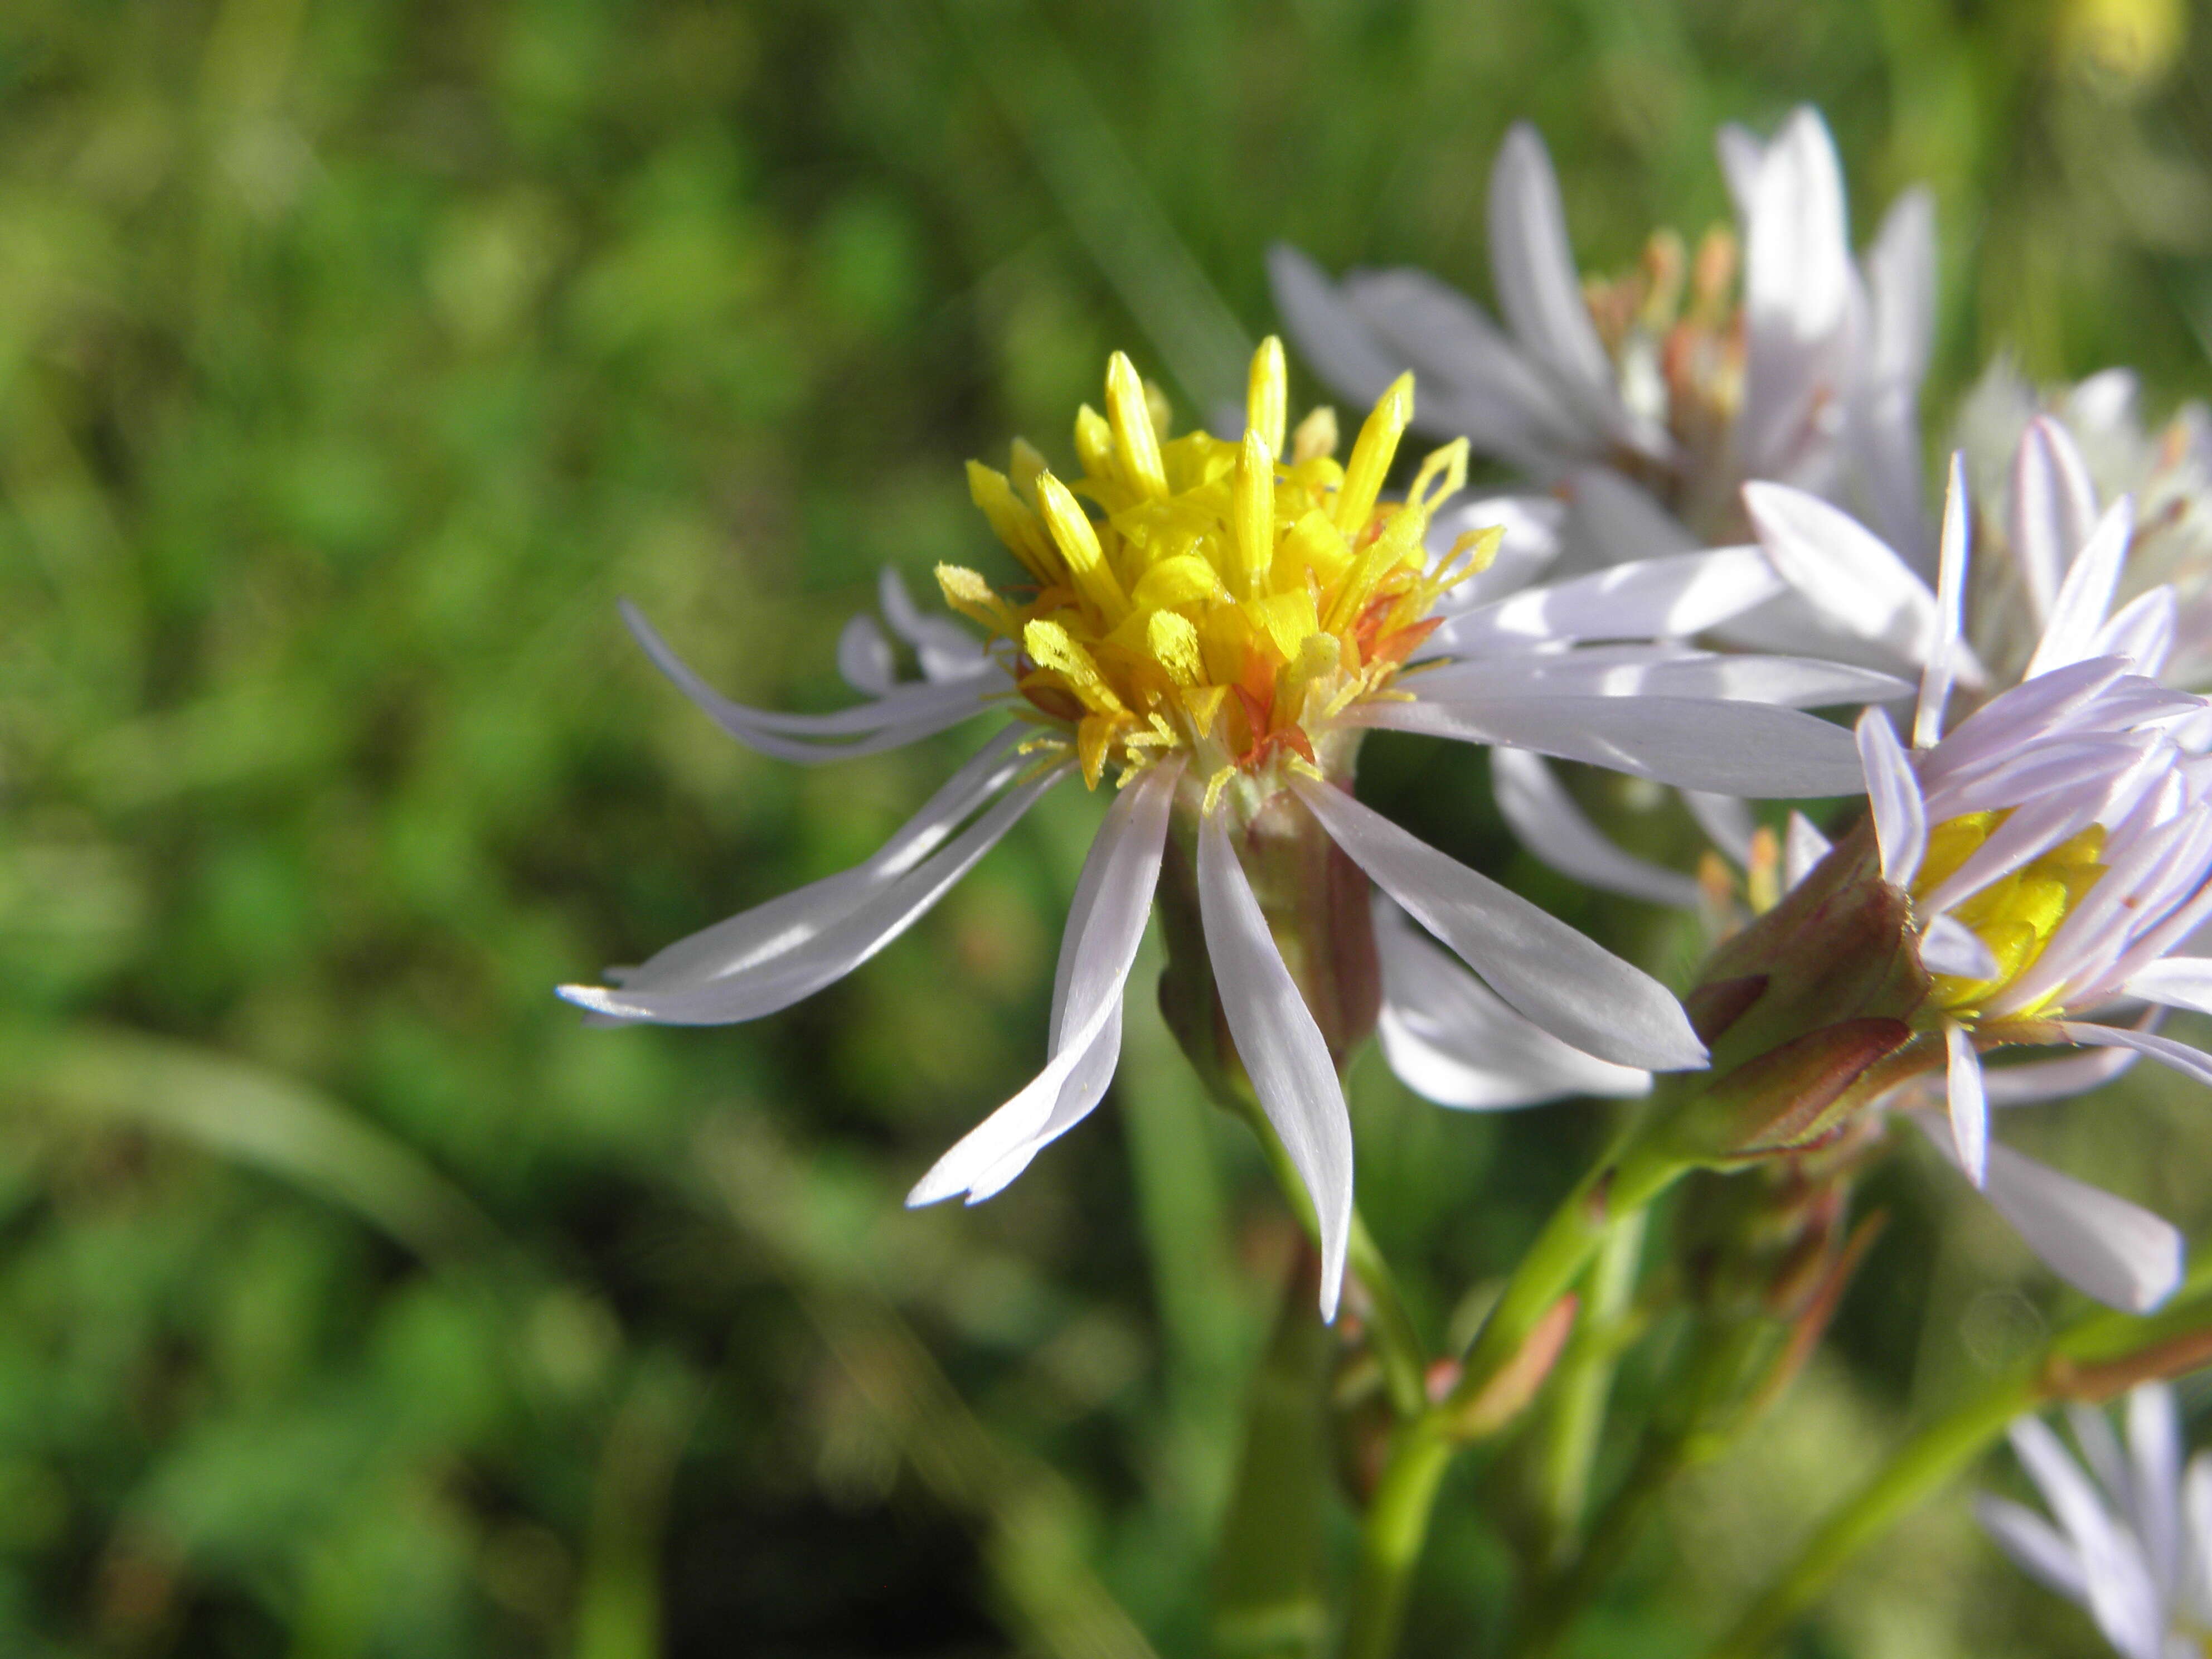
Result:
353,1300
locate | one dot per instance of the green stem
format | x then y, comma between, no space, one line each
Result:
1619,1523
2093,1360
1623,1184
1405,1358
1392,1537
1583,1381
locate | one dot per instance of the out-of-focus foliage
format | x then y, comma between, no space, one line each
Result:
356,1300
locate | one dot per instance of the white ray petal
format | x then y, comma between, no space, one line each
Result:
2036,706
1970,1110
1329,334
1573,987
2190,1063
2035,1546
2097,1242
1730,748
1802,847
2142,631
790,920
1283,1050
1900,816
909,713
1901,270
2122,1597
1947,946
1936,675
1539,289
2077,615
1848,574
1797,292
2041,1080
1554,829
1613,520
864,657
772,981
1452,1040
1727,821
1674,596
2054,505
1105,924
2176,981
1655,671
945,650
2154,1480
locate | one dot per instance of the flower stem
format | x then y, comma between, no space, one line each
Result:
1392,1537
1397,1342
2095,1359
1583,1382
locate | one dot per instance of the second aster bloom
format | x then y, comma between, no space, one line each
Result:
1648,398
1212,626
2132,1542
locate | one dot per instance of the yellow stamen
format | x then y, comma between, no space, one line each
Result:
1316,438
1268,398
1254,523
1071,533
1372,453
1052,646
2014,916
1135,444
1017,525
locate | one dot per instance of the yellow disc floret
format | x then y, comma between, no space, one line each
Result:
1216,597
2014,916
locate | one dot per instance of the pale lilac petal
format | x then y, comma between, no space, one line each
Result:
1453,1041
1553,828
1797,302
1727,821
1936,675
1726,747
769,982
2154,1480
791,921
2176,981
1885,428
2190,1063
1849,576
2101,1451
864,658
1611,519
2054,505
1283,1050
1730,748
1329,334
2122,1597
2035,1546
1947,946
1539,289
2099,1243
1742,153
1900,817
2197,1561
1970,1111
1105,924
1674,596
906,715
1655,671
1802,847
945,650
1573,987
2041,1080
2077,615
1475,382
2142,631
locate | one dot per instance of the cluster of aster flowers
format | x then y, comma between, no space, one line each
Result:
1722,529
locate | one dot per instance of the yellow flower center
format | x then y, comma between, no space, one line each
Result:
1219,598
2016,916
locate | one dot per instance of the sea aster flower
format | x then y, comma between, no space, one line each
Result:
2133,1542
1647,400
1215,625
2040,463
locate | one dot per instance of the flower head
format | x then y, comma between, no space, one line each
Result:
1213,625
2133,1538
1229,601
